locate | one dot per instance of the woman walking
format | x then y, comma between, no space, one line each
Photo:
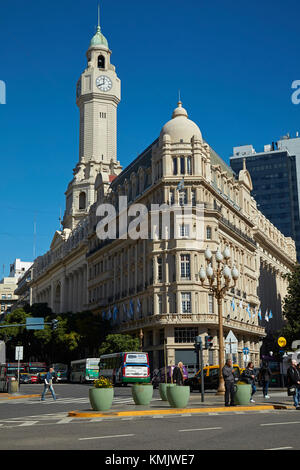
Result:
265,376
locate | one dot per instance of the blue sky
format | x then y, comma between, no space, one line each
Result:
233,61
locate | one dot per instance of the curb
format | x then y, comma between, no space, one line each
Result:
15,397
118,414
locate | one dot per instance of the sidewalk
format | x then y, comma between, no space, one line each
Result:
212,404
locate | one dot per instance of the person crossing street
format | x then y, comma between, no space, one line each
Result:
48,384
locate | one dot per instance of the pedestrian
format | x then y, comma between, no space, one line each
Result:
250,375
265,376
228,376
48,384
178,374
293,380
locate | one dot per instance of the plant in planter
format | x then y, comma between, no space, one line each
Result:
178,395
142,393
101,395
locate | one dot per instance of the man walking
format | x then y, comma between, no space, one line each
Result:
48,384
293,376
228,377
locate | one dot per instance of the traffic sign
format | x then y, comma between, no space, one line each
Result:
245,350
281,341
19,353
231,343
35,323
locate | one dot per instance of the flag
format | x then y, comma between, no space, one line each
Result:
131,309
259,313
109,315
125,314
241,304
233,304
138,305
248,311
180,185
254,312
266,315
115,313
103,315
270,314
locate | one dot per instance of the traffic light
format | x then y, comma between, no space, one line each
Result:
54,324
197,344
208,342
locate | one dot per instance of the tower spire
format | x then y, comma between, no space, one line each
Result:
99,15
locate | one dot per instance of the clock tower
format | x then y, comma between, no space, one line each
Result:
98,94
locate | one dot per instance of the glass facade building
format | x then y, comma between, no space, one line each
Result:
274,179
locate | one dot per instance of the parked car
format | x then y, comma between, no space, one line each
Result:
211,378
25,378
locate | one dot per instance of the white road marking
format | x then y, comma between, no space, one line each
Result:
64,421
199,429
28,423
104,437
280,424
280,448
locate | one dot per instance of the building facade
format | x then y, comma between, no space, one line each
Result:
146,277
275,175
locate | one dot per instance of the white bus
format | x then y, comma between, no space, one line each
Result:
85,370
125,367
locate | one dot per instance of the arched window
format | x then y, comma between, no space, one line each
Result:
101,62
82,200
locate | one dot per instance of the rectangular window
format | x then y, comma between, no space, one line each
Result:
193,197
175,169
182,165
189,165
185,267
186,306
184,231
208,233
185,335
159,269
171,196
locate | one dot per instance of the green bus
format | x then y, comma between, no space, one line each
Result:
84,370
125,367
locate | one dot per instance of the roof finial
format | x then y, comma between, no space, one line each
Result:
98,27
244,164
179,99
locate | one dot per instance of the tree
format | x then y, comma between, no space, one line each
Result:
291,306
118,343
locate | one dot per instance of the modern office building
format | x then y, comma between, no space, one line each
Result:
275,175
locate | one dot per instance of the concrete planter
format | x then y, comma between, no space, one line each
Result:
162,388
101,398
178,396
242,394
142,393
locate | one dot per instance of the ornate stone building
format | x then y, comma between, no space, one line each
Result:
152,283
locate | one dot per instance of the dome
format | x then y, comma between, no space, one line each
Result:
180,127
99,39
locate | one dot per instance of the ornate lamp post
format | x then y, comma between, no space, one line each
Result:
141,335
219,278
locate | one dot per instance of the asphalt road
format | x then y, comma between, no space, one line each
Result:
28,424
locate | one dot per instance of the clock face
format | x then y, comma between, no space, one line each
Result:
104,83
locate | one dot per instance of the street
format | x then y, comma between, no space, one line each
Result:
29,424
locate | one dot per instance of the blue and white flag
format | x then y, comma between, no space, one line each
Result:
103,315
125,313
266,315
115,313
259,313
109,314
233,304
248,311
241,304
138,305
131,309
180,185
270,314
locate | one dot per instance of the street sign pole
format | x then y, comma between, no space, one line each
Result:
202,373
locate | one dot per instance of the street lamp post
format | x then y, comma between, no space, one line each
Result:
219,279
